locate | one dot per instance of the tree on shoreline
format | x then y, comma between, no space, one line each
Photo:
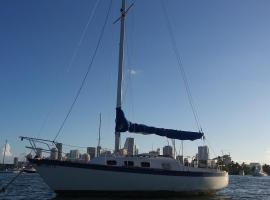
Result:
234,168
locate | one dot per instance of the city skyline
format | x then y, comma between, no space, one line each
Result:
224,48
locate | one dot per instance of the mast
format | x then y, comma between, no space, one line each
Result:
4,153
99,147
120,70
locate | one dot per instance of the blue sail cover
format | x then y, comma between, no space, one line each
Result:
123,125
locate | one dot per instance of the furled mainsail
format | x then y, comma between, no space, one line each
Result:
123,125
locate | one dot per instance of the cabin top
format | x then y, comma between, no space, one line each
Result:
138,161
158,162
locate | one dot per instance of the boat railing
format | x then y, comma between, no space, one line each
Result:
40,146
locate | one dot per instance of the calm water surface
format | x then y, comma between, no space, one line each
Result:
31,186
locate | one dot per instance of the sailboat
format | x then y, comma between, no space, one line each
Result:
121,174
6,170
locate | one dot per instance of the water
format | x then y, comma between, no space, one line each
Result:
31,186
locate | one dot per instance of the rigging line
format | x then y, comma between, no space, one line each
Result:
125,69
126,61
75,52
69,145
87,72
128,78
44,123
179,61
130,65
211,147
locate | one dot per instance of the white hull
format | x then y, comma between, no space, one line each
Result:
66,178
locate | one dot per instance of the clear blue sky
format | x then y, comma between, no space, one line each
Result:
224,45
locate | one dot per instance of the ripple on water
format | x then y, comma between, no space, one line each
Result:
31,186
27,186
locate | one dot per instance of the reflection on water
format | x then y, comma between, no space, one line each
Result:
31,186
168,198
214,197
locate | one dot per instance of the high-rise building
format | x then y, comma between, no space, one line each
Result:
98,150
136,150
74,154
168,151
16,162
91,151
180,159
158,151
54,154
129,145
203,153
203,156
59,147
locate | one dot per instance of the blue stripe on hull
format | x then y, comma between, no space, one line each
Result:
127,169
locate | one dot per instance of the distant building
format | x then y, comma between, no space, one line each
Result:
212,163
54,154
91,151
226,159
16,162
105,153
98,150
74,154
123,152
203,153
186,163
180,159
153,153
136,150
59,147
168,151
203,156
67,156
158,151
129,145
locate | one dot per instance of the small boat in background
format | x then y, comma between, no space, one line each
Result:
29,170
257,170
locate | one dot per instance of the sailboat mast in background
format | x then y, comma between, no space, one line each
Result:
4,153
99,128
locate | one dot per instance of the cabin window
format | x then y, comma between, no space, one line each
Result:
145,164
129,163
166,166
111,162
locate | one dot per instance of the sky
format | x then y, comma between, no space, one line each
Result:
224,47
